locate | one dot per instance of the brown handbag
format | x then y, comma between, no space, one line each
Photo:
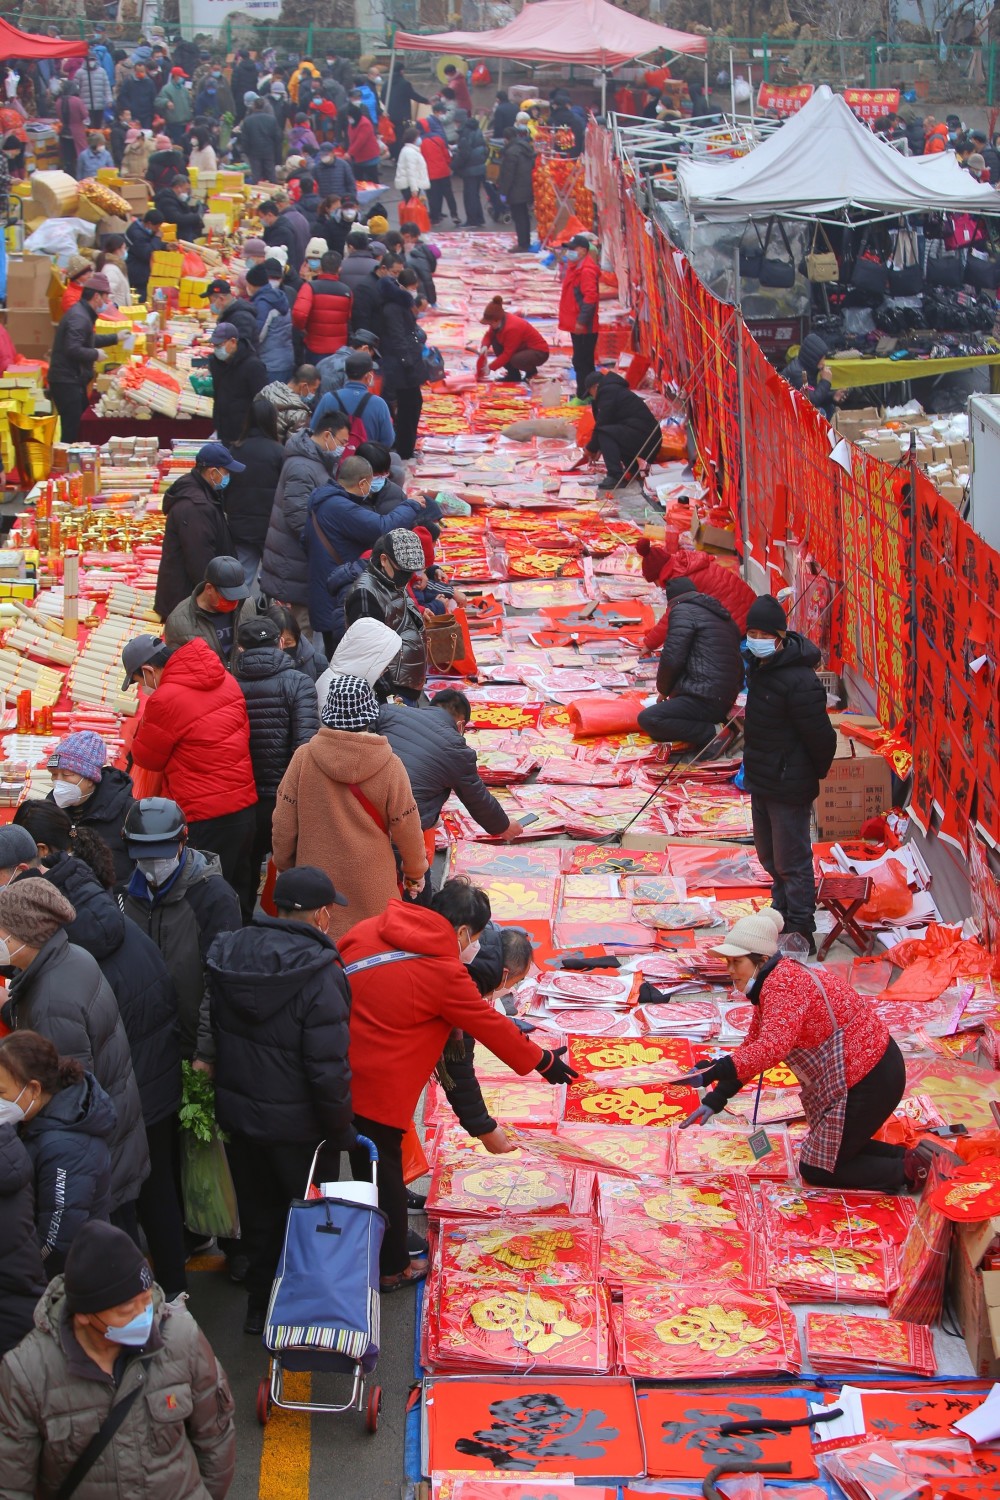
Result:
442,641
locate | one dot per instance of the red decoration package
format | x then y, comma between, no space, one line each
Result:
804,1272
697,1332
923,1267
536,1251
486,1186
483,1325
635,1252
712,1149
848,1344
832,1218
699,1202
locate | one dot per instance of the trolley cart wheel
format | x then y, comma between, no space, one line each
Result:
264,1401
374,1408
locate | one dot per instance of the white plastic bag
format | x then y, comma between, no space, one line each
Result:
60,237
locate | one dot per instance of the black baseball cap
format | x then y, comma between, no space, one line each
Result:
225,574
363,336
141,651
218,285
259,631
305,889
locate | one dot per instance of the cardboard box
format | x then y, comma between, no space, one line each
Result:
976,1295
31,329
28,280
858,787
136,194
718,537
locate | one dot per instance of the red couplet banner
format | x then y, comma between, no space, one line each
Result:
868,104
779,99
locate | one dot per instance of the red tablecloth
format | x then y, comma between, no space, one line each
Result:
95,429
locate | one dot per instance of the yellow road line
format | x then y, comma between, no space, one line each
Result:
284,1460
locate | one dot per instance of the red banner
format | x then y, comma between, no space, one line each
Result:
869,104
783,99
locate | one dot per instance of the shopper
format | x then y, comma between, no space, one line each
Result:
65,1121
293,400
106,1340
579,308
322,310
516,346
196,528
412,177
299,649
97,94
75,351
437,156
363,148
311,460
227,307
138,94
516,186
175,105
214,611
789,747
401,99
274,320
96,156
178,207
366,648
403,1010
142,238
279,1005
250,495
374,415
469,163
196,735
418,254
238,375
402,351
380,592
93,794
260,137
699,674
809,373
281,230
344,802
111,263
59,991
22,1277
625,430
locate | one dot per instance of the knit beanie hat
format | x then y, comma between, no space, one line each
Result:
378,224
654,559
680,586
84,752
350,704
427,542
257,275
756,934
316,248
104,1268
76,265
33,911
494,309
765,613
254,246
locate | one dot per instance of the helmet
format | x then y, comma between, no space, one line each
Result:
154,827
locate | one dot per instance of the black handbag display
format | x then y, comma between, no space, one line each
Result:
869,273
936,225
751,258
982,272
893,320
949,311
774,272
906,276
945,270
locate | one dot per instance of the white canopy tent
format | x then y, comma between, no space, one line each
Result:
822,162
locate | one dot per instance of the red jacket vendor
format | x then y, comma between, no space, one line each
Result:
579,308
851,1072
515,343
409,989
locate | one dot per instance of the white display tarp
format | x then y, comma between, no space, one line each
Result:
823,161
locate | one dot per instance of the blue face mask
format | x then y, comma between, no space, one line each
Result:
313,264
766,647
222,353
224,481
135,1333
378,483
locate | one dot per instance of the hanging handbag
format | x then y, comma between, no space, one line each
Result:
750,259
869,273
945,269
906,277
775,272
964,229
822,265
982,271
936,225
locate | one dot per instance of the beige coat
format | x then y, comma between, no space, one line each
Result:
319,821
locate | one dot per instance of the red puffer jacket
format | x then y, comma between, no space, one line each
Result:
323,311
513,335
195,731
709,577
581,293
437,156
403,1013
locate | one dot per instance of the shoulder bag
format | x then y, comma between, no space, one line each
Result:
750,259
945,269
821,265
906,277
442,641
775,272
869,272
102,1437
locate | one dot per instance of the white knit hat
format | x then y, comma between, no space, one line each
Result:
756,934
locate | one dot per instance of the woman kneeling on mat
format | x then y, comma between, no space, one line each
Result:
850,1071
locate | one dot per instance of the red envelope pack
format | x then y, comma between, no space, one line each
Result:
703,1332
849,1344
833,1218
483,1325
720,1202
530,1250
713,1149
804,1272
492,1185
637,1252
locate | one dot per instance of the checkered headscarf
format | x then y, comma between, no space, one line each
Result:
350,704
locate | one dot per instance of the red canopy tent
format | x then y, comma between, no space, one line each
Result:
26,44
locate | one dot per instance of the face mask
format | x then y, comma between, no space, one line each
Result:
312,263
157,871
223,482
135,1333
765,647
378,483
348,214
275,284
222,352
216,75
227,606
11,1112
184,197
572,255
469,952
66,794
7,953
337,451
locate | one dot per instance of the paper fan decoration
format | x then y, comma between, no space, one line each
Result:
704,1332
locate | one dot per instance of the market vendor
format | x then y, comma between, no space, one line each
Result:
515,343
625,430
851,1072
176,206
76,350
809,373
699,674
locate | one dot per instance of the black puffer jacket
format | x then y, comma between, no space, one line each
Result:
284,572
469,159
402,349
76,346
104,813
22,1278
63,995
373,597
68,1142
250,495
281,705
235,382
280,1007
423,260
307,659
133,966
244,320
790,741
625,414
701,655
438,762
517,165
196,531
183,921
185,213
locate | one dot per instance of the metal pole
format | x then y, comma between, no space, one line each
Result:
392,66
767,60
741,416
604,92
732,84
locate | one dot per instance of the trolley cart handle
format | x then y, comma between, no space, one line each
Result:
370,1147
362,1140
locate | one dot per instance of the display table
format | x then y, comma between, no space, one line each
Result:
846,373
98,430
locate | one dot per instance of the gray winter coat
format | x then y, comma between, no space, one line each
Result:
63,995
189,620
292,412
284,571
438,762
176,1443
357,265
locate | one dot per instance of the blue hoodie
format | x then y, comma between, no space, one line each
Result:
274,330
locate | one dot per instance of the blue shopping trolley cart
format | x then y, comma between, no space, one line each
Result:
324,1312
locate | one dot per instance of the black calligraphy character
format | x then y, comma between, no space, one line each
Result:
538,1427
970,570
701,1431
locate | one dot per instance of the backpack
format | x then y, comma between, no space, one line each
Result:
359,432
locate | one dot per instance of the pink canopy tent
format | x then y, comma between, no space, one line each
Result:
591,33
15,43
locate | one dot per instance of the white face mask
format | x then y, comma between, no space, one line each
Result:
11,1112
469,953
157,871
67,794
275,284
7,953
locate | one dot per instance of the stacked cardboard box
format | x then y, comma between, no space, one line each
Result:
942,444
975,1291
857,787
29,318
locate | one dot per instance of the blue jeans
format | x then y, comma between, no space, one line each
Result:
250,557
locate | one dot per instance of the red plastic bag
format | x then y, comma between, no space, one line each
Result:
193,265
413,211
481,75
414,1161
593,715
891,897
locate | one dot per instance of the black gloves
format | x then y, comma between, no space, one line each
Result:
554,1070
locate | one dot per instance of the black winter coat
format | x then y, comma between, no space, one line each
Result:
517,165
284,572
260,135
623,413
63,995
373,597
183,921
249,496
134,968
69,1145
469,159
282,233
140,242
438,762
244,320
104,813
366,305
307,659
196,531
235,382
22,1277
701,654
186,215
401,352
280,1008
789,739
283,713
424,262
336,179
75,347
